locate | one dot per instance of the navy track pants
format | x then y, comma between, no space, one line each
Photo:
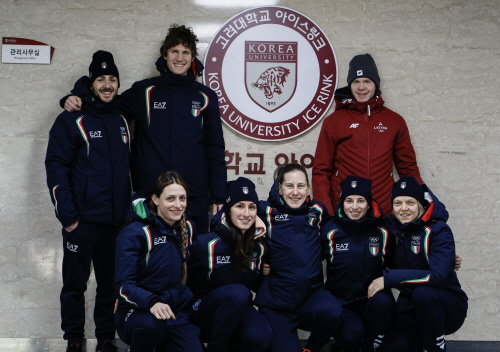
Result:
321,314
89,243
367,323
437,312
229,322
144,333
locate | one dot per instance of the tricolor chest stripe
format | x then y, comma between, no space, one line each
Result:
149,242
148,103
206,101
81,128
385,234
211,255
269,217
331,243
427,241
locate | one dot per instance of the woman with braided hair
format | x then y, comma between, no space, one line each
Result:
151,272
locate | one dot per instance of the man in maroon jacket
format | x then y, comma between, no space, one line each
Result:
362,138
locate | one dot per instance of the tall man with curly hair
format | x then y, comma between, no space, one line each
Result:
177,127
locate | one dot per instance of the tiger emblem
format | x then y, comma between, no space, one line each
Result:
271,81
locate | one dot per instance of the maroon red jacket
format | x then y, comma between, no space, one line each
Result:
363,140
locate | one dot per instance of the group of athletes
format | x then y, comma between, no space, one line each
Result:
167,281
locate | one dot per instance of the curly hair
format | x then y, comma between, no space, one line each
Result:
179,35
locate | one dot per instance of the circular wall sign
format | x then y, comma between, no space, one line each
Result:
274,72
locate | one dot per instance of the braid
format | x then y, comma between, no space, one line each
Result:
184,240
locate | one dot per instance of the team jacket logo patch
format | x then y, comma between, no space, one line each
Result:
162,105
160,240
72,247
95,134
124,134
380,127
341,247
415,244
374,248
281,217
223,259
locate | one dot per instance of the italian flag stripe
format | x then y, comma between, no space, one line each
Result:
427,242
79,123
211,255
148,103
125,297
149,241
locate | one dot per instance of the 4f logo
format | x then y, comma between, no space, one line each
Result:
354,125
160,105
160,240
342,247
223,259
72,247
95,134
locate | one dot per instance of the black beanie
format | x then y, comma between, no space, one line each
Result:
358,186
408,186
363,66
102,64
239,190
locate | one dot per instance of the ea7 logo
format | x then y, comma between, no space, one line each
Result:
72,247
160,105
281,217
223,259
342,247
160,240
354,125
95,134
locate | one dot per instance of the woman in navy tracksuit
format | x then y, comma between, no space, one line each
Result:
356,248
431,303
293,295
225,265
151,272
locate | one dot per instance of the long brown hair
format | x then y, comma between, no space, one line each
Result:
244,245
166,179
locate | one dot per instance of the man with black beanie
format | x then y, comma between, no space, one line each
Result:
87,165
362,138
177,127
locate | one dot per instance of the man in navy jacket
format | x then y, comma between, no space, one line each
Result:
177,127
87,165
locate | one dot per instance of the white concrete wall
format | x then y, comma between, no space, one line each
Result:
440,66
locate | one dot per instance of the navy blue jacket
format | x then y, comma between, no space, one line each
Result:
424,254
87,162
149,265
212,261
177,127
355,253
294,249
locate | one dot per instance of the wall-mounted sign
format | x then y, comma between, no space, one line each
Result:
274,72
25,51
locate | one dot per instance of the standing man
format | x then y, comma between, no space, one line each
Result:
87,165
177,127
362,138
